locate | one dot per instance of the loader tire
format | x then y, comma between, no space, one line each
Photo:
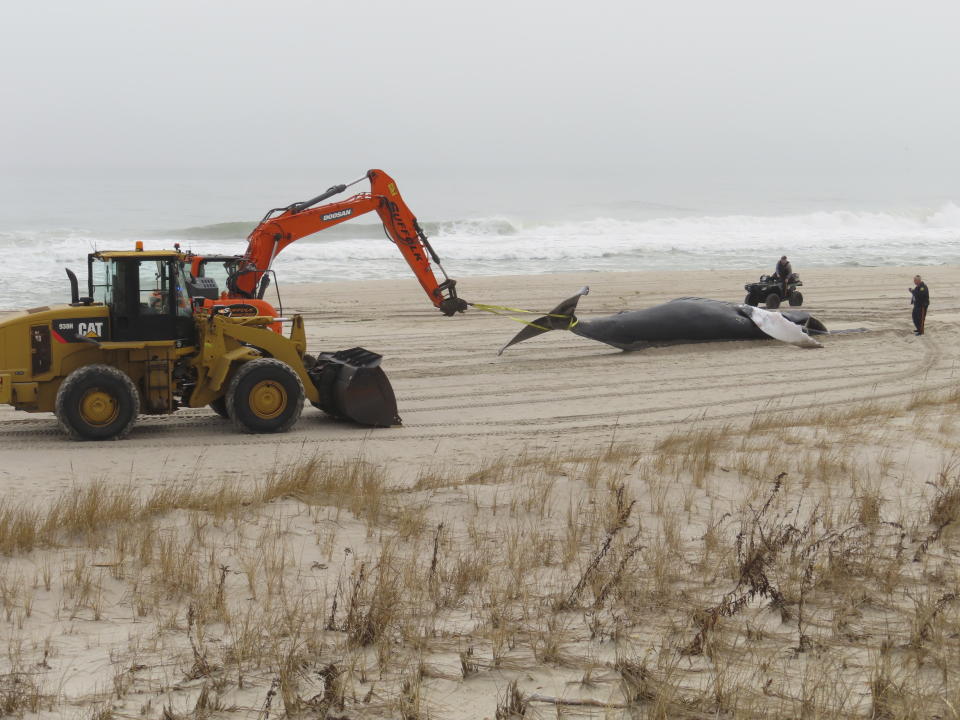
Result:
97,402
264,396
219,406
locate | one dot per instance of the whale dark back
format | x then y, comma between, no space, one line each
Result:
681,320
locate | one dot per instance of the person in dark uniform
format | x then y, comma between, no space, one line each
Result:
783,272
920,301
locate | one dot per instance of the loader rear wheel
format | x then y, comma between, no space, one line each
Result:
97,402
264,396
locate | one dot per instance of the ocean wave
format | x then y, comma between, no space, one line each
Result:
496,225
217,231
239,231
499,245
840,223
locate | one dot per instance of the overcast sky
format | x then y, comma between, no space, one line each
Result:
671,89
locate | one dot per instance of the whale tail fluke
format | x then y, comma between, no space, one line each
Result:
562,317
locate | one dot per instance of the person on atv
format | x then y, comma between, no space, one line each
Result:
783,272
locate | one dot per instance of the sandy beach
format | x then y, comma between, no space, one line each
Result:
869,416
461,403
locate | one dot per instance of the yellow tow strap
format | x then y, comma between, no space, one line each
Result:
503,310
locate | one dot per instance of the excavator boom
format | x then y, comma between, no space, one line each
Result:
289,224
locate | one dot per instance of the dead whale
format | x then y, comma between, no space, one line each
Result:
684,320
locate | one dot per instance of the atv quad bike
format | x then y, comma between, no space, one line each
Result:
769,290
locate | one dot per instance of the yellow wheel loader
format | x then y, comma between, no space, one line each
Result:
137,343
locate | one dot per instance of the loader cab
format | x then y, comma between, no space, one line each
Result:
145,292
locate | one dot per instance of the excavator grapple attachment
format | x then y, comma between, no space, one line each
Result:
354,387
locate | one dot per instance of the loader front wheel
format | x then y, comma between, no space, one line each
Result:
264,396
219,406
97,402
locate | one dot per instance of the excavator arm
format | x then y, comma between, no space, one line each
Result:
282,226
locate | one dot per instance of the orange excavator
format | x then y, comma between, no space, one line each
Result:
246,278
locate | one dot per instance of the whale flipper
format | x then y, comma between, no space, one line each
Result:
780,328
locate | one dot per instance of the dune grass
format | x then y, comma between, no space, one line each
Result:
725,571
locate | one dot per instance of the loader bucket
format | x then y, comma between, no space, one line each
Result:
354,387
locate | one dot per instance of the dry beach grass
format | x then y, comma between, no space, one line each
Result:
729,530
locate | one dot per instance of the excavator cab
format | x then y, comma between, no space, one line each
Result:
210,274
212,283
225,270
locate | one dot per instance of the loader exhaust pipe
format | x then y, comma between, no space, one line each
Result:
74,287
75,298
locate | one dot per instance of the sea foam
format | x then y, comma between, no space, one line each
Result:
499,245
